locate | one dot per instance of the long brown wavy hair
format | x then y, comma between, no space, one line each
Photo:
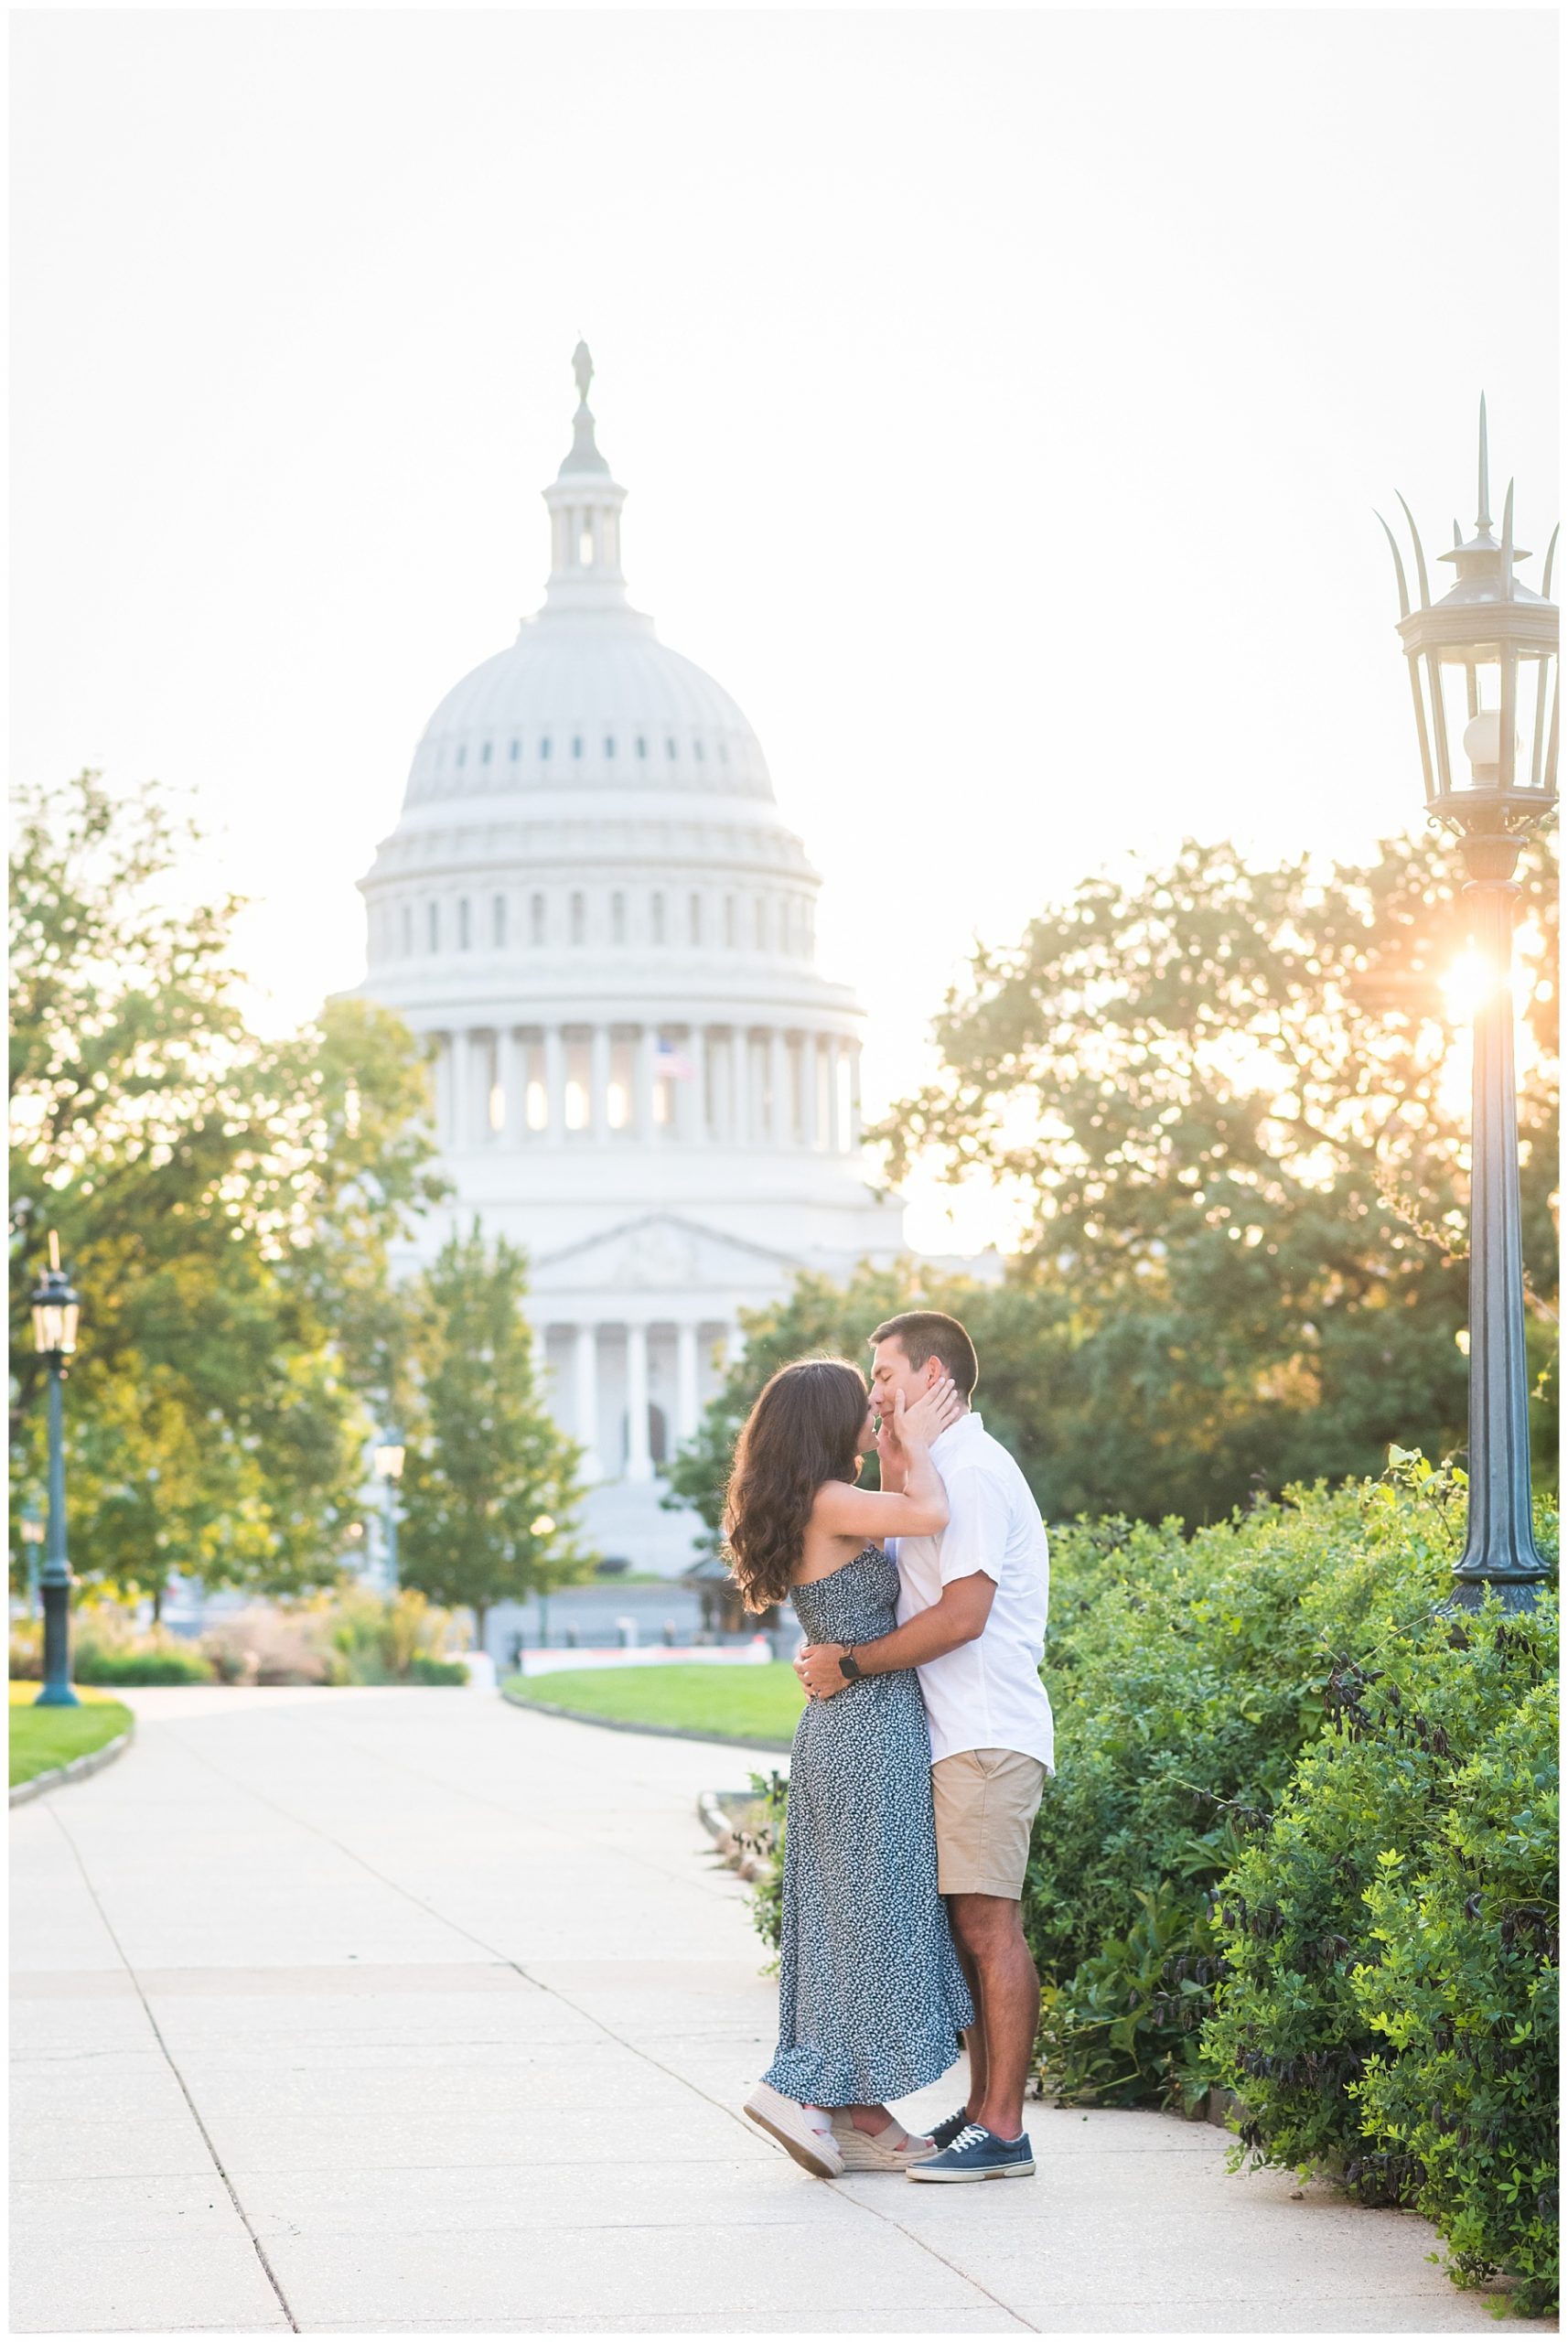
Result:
803,1431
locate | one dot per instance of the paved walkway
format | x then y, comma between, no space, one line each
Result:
405,2011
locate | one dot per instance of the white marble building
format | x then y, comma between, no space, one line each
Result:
593,909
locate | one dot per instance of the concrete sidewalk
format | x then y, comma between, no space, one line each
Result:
381,2012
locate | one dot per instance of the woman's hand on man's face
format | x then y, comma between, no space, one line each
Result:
929,1416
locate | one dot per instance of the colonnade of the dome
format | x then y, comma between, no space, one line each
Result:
631,1390
608,1084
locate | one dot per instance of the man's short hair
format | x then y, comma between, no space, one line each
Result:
921,1334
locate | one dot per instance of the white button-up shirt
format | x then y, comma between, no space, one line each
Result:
987,1693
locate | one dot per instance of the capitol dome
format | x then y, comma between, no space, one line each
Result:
594,912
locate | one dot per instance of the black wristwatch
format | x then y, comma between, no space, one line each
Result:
850,1667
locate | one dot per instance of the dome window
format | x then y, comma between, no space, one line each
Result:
609,747
617,918
694,911
484,754
463,753
729,921
544,748
579,919
408,931
761,924
465,937
642,745
671,750
498,922
656,910
536,919
515,750
433,925
577,745
724,753
697,750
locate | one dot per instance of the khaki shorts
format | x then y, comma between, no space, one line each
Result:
985,1800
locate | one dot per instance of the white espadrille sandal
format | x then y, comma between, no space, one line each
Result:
894,2149
815,2151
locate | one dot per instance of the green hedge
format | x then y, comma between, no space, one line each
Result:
1188,1675
1279,1766
1388,2005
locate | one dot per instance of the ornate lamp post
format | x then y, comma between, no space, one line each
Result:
56,1308
32,1525
1484,677
390,1452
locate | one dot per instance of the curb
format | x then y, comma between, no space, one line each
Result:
657,1730
76,1770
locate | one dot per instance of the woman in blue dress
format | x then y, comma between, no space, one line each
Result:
871,1995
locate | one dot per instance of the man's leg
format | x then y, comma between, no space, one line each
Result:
1006,1987
975,2036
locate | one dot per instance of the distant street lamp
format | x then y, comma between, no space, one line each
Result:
1483,676
389,1457
32,1538
541,1527
56,1308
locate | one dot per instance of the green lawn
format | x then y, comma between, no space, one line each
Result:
742,1702
44,1737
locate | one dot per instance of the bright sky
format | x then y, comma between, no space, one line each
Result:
1002,396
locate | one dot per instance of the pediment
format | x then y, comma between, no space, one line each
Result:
659,1251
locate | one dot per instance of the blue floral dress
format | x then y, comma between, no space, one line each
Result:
871,1996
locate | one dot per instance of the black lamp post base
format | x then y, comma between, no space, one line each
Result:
1514,1591
57,1695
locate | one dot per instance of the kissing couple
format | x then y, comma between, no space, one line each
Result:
920,1756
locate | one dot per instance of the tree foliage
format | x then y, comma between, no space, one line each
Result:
485,1464
224,1201
1223,1101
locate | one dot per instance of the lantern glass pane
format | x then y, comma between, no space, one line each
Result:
1471,692
69,1317
1532,714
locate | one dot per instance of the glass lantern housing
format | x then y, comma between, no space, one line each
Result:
389,1458
57,1309
1483,680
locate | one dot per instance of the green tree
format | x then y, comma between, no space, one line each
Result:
224,1201
1223,1101
485,1464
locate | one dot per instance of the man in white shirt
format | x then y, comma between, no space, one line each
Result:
971,1619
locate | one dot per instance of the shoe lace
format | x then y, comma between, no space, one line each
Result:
972,2135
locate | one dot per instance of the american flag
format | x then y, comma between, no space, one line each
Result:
671,1065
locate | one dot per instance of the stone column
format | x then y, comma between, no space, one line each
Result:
647,1046
599,1084
836,1104
782,1120
639,1461
740,1085
810,1090
555,1082
514,1086
459,1098
693,1093
586,1364
687,1402
855,1124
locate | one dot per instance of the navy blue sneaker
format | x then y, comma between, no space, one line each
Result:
978,2154
945,2132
